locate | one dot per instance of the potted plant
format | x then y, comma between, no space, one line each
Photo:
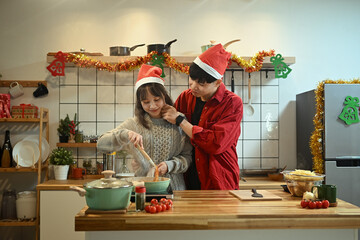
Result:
64,129
61,159
73,124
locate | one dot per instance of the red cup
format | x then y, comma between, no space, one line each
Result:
78,173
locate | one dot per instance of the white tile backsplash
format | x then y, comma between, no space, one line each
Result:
270,80
126,78
255,116
269,163
270,148
87,76
87,112
87,94
104,127
106,112
270,130
270,94
68,94
105,94
70,109
251,130
270,112
252,163
71,76
124,111
105,78
125,94
178,78
251,148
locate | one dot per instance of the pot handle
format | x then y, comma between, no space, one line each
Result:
228,43
80,191
133,47
169,43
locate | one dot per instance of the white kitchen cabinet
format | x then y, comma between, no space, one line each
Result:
57,211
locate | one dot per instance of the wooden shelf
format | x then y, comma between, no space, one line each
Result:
17,224
75,145
181,59
22,120
23,169
24,83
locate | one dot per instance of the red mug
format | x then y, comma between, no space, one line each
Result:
78,173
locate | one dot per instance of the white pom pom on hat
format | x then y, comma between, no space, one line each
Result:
214,61
149,74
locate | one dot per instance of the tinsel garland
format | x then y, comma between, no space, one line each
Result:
316,138
81,60
255,63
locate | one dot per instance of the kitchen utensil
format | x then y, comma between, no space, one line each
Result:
26,205
45,147
299,183
106,193
28,153
228,43
151,186
16,89
284,186
41,90
8,205
255,194
160,48
145,155
123,51
249,108
245,195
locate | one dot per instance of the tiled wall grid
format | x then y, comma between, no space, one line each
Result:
102,100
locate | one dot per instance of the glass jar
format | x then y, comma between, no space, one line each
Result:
140,198
8,206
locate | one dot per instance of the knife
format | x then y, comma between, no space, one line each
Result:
255,193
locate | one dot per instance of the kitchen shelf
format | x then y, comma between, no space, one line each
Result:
181,59
23,169
24,83
17,224
40,166
77,145
23,120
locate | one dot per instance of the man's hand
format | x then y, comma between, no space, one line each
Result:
169,113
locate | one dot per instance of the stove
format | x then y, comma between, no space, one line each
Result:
158,196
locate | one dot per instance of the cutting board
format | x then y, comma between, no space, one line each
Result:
245,195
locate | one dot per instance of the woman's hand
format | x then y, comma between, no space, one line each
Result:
163,168
136,138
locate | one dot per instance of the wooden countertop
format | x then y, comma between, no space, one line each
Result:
218,209
251,182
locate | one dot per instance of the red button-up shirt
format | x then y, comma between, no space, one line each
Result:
215,137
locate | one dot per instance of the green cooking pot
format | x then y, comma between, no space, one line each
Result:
151,186
107,193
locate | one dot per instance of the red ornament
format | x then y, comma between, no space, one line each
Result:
57,67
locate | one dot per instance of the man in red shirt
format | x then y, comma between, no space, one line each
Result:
213,115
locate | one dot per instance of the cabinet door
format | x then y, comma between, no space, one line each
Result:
57,215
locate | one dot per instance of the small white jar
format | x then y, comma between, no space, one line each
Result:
26,205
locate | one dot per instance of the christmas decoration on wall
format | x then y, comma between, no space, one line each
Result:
316,146
158,60
57,67
350,112
281,69
81,60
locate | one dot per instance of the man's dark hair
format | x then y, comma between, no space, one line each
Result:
155,89
199,75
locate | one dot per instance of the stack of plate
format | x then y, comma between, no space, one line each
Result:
26,152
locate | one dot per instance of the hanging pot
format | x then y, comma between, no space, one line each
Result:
160,48
106,193
123,51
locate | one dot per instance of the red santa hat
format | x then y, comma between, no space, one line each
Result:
149,74
214,61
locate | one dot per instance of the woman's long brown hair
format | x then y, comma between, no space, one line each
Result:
155,89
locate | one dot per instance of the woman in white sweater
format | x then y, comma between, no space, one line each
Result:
167,145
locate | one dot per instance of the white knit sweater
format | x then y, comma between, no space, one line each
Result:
163,142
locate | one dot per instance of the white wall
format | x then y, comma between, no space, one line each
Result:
323,36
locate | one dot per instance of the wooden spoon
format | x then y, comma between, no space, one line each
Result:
145,155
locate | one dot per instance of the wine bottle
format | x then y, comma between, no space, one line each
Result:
6,157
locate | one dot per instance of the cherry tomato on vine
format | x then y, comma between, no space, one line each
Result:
154,201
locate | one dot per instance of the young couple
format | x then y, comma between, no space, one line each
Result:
207,115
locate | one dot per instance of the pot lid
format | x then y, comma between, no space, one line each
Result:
108,182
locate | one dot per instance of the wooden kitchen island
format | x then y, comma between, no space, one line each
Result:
206,211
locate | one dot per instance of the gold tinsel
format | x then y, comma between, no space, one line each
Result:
316,144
